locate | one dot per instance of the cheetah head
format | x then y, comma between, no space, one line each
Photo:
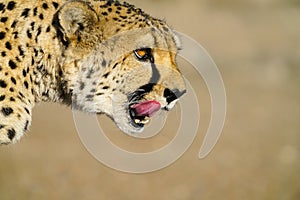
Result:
127,72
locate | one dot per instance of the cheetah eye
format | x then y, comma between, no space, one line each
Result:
144,55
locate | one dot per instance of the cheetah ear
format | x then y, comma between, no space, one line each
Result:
75,18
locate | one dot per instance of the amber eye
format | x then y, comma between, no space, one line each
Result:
144,55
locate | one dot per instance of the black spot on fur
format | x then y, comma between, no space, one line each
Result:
8,45
3,19
21,94
27,111
15,33
24,72
11,5
12,99
2,35
78,38
115,65
7,111
25,12
39,31
13,80
11,133
13,25
2,97
48,29
106,75
45,6
26,84
55,5
3,84
32,61
3,53
29,35
89,96
41,16
21,52
104,63
35,11
82,85
26,125
12,64
32,25
2,6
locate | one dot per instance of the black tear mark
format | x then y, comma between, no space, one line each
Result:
155,74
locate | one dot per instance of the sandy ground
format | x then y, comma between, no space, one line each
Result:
256,45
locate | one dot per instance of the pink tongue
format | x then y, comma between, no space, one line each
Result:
147,108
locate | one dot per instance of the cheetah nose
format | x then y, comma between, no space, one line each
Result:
172,95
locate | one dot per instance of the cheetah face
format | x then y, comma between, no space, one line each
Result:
128,73
134,84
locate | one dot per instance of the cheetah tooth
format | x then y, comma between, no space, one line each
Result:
137,121
144,121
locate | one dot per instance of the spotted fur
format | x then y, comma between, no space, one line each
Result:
81,53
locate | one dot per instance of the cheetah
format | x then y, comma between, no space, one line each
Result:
96,56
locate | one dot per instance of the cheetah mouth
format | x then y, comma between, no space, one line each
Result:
140,113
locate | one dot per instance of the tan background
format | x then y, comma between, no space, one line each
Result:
256,45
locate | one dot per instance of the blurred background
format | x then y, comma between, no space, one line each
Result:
256,45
